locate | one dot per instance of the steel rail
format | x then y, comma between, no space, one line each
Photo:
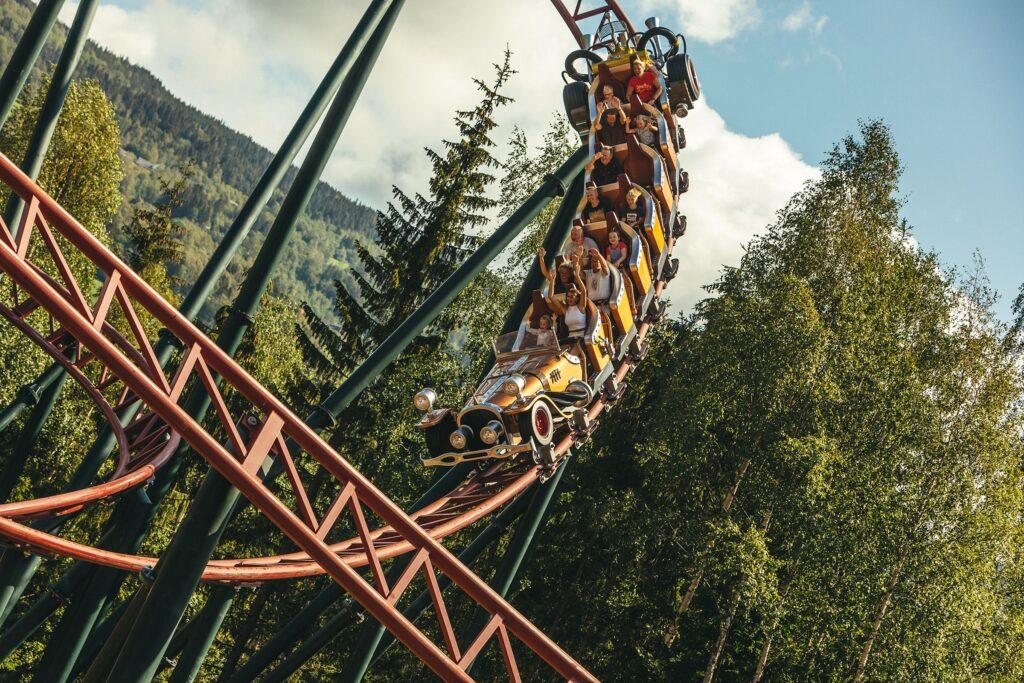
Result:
154,389
287,565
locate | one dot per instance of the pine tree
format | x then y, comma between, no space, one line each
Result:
421,239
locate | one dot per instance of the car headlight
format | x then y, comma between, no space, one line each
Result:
460,437
424,399
489,434
514,385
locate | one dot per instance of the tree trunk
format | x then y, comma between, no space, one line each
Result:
876,624
723,633
673,631
762,660
727,503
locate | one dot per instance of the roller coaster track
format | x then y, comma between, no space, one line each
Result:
100,339
47,303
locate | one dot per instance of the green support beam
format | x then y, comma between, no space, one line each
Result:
28,394
204,630
180,567
389,350
86,611
25,444
63,75
17,71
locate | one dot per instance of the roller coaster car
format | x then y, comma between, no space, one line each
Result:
526,402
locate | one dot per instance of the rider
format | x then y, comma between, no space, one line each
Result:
596,206
636,210
579,246
603,167
645,126
574,311
644,82
616,251
608,99
611,127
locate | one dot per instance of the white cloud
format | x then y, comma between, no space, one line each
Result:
711,21
253,63
803,18
737,184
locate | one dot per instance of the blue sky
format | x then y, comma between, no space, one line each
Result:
783,79
948,78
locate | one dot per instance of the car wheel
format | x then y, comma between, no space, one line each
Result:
538,423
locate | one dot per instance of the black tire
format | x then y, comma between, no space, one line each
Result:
570,64
680,227
674,41
671,270
691,80
683,84
681,136
684,181
575,97
679,95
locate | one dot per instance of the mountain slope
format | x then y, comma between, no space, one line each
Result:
160,133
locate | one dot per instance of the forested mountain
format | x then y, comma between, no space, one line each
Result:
160,133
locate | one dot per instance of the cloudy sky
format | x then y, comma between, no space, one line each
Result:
783,81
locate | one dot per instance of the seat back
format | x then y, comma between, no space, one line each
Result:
605,77
638,165
625,183
539,308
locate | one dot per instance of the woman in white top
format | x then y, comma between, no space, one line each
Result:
574,311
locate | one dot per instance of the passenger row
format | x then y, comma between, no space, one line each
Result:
604,279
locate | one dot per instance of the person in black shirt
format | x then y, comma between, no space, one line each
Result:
635,212
596,206
611,127
604,168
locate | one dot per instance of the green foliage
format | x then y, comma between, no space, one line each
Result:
159,132
152,235
524,172
824,458
422,239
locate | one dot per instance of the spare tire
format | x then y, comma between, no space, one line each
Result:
674,41
680,93
576,98
570,64
692,82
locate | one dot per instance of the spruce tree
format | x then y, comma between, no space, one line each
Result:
421,239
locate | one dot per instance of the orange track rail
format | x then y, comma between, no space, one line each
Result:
45,295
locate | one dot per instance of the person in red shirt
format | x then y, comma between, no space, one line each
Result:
644,83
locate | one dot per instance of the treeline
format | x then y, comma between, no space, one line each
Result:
816,476
160,134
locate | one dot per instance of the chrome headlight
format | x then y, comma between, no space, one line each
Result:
514,385
425,399
489,434
460,437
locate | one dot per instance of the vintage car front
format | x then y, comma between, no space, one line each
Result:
518,407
